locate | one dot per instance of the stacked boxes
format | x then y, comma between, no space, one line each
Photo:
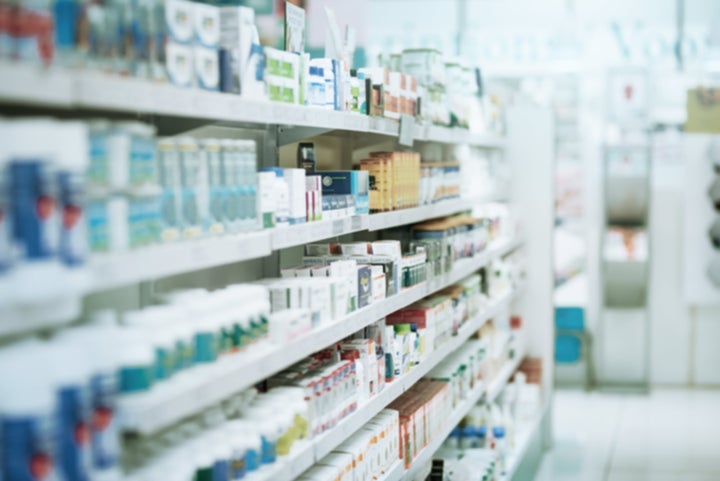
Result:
366,456
394,180
282,75
423,413
376,267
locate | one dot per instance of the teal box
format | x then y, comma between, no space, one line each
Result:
348,182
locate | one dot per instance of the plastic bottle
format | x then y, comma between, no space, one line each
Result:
35,222
500,446
268,428
252,185
229,158
98,341
7,257
212,159
137,359
27,415
199,307
190,176
158,320
169,177
71,373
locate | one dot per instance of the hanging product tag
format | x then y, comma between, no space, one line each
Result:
407,130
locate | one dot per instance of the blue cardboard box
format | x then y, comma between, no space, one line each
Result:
349,182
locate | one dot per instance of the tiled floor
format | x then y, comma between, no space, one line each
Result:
668,435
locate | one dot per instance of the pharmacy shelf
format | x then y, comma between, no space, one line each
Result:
114,270
387,220
330,440
302,234
233,373
481,392
54,87
118,269
523,441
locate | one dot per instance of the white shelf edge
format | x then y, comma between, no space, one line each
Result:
117,269
395,218
479,393
523,442
309,232
222,379
57,87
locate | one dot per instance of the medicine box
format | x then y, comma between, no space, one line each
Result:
349,182
206,68
313,188
206,25
179,21
295,179
266,194
180,65
364,274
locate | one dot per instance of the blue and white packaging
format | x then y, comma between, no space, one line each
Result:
212,160
169,177
180,64
230,175
28,422
206,67
190,177
179,21
70,372
206,25
98,342
249,182
72,160
295,179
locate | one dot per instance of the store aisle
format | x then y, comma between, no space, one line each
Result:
669,435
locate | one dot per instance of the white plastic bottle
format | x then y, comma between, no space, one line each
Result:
27,414
197,304
98,341
268,428
137,362
71,372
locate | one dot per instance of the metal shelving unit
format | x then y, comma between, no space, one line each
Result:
241,371
92,91
177,110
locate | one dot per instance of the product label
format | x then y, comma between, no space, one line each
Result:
136,378
75,455
268,451
164,363
98,230
252,460
184,355
207,346
28,449
97,172
238,464
105,440
73,236
34,215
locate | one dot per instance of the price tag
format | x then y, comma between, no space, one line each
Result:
356,222
407,130
338,227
